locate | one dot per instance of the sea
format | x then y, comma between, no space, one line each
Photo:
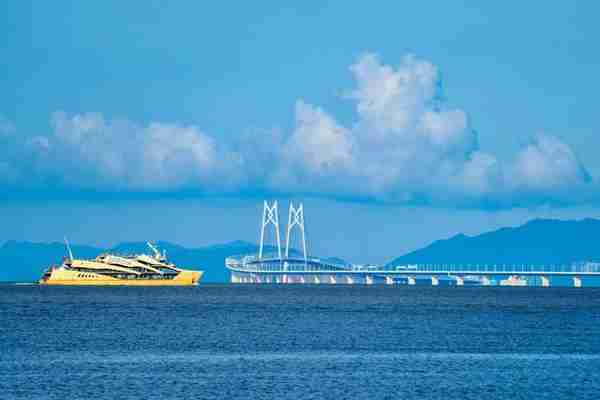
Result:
299,342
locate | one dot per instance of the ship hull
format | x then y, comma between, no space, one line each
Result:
65,277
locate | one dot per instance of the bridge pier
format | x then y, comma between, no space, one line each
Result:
435,281
460,281
350,280
486,281
577,281
368,280
545,281
317,280
332,279
411,280
389,280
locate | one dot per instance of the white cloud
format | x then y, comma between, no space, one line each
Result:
548,166
391,100
403,145
319,143
87,151
406,145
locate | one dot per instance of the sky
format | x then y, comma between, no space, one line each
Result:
395,124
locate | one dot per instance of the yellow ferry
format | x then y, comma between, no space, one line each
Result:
116,270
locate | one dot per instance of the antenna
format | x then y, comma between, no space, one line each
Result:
270,216
295,218
68,249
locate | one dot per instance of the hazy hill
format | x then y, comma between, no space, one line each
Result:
540,241
25,261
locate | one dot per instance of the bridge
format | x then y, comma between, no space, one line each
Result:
275,270
286,267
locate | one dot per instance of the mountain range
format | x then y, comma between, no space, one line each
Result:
540,241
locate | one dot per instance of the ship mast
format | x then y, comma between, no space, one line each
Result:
157,255
68,249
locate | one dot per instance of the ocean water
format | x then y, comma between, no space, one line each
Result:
299,342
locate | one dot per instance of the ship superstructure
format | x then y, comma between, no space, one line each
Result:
112,269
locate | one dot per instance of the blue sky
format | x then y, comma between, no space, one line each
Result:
466,116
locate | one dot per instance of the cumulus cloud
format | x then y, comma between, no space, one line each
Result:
87,151
317,152
158,156
549,169
405,144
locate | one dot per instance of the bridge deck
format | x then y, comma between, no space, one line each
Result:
295,266
415,273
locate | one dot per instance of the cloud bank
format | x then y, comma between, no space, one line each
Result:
405,145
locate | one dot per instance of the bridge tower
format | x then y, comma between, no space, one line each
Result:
270,217
295,218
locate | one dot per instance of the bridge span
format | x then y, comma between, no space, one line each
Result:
314,271
286,267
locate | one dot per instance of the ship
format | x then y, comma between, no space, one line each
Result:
120,270
513,280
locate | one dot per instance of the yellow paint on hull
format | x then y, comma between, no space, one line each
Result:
68,277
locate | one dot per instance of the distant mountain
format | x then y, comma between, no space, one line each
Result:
25,261
540,241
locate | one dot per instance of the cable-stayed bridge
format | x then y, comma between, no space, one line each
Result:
285,266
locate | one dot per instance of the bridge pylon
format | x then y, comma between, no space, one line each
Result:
270,217
295,218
